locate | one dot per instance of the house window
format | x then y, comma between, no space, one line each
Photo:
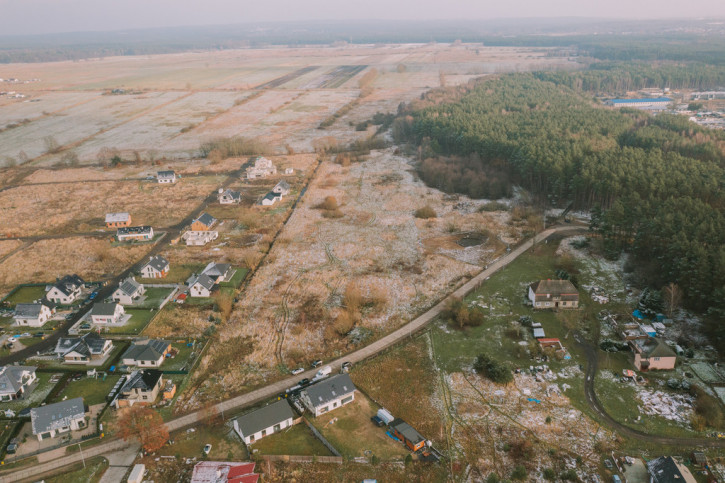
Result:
144,397
264,433
656,358
276,428
251,439
323,410
346,399
548,303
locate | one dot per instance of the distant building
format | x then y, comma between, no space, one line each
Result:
224,472
107,313
229,197
33,315
329,394
271,198
205,222
156,267
128,292
554,294
199,238
66,290
15,382
405,432
166,177
135,233
52,419
666,470
261,168
117,220
262,422
707,95
652,354
281,188
651,103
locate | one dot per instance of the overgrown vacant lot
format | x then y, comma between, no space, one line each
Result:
91,258
80,207
339,277
8,246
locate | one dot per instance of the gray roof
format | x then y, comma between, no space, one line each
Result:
54,416
215,270
330,389
116,217
204,281
264,418
144,380
133,230
166,174
102,308
157,262
88,344
206,219
129,286
31,311
665,470
69,284
271,195
149,350
283,185
11,378
407,431
235,195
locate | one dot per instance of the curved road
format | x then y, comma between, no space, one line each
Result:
276,388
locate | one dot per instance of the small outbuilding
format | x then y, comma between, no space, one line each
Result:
412,438
262,422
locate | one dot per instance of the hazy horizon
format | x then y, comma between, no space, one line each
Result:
31,17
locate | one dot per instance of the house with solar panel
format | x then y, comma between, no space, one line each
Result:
66,290
146,353
52,419
328,395
165,177
84,349
16,382
128,292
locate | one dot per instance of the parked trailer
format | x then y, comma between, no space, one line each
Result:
324,372
385,415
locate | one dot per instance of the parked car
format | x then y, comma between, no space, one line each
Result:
304,382
299,370
377,421
207,448
24,413
39,334
85,326
93,295
346,366
316,363
12,448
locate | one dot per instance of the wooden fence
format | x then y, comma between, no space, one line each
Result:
303,459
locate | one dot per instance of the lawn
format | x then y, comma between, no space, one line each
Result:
25,295
351,432
225,444
180,360
296,440
36,397
177,273
237,278
154,297
139,320
93,471
92,390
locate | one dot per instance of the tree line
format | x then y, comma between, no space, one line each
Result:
654,183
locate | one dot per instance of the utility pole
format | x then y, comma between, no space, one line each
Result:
82,458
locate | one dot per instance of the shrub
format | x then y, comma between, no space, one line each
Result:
497,372
549,474
329,203
569,475
493,206
425,212
519,473
708,407
459,314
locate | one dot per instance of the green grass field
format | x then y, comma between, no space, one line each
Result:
177,273
139,320
154,297
180,360
25,295
93,391
36,397
296,440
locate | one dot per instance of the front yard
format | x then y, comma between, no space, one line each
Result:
92,390
153,297
37,395
138,321
296,440
25,294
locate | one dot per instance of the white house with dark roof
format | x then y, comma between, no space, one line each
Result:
140,387
201,286
128,292
164,177
262,422
15,382
219,272
229,197
32,315
83,349
553,294
135,233
271,198
66,290
666,469
329,394
156,267
146,353
53,419
107,313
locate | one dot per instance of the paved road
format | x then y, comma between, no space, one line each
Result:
279,387
171,233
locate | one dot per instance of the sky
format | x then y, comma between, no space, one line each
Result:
51,16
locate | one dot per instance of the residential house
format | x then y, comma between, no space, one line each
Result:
652,354
33,315
53,419
262,422
156,267
328,394
406,433
205,222
281,188
66,290
135,233
83,349
15,381
146,353
229,197
128,292
271,198
289,171
554,294
140,387
219,272
224,472
199,238
666,469
201,286
164,177
107,313
261,168
118,220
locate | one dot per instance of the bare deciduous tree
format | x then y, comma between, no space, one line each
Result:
672,296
